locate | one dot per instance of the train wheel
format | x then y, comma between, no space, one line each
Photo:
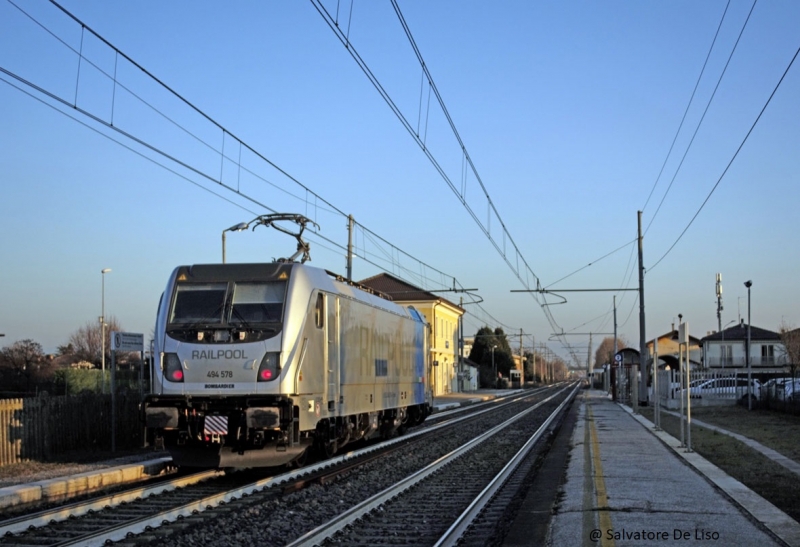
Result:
414,416
330,449
302,459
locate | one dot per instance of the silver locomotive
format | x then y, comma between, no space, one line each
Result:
255,364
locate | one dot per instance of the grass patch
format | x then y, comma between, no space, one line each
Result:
777,430
771,481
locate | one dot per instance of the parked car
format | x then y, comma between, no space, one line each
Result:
781,389
724,388
676,386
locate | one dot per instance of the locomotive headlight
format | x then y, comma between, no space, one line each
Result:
171,364
268,370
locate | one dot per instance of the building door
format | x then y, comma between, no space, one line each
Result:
332,351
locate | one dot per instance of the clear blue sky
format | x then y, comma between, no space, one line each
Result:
568,111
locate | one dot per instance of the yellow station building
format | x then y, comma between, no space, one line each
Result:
443,317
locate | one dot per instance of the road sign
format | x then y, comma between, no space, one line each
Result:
618,358
127,341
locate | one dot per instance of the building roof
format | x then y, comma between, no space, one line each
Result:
401,291
739,332
673,335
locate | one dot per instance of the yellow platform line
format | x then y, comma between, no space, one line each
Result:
601,496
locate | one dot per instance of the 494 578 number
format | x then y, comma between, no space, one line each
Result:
220,374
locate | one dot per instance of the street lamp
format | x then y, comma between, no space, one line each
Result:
494,370
238,228
103,273
748,284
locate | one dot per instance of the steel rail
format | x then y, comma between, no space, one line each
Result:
325,531
137,526
48,516
451,537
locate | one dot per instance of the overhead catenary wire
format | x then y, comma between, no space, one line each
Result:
592,263
705,111
425,278
120,143
666,159
334,25
685,113
738,149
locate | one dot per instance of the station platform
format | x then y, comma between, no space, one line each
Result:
61,488
448,401
627,484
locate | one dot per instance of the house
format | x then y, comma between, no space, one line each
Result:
442,315
668,355
726,349
469,376
468,343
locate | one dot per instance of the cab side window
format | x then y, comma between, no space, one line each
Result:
319,311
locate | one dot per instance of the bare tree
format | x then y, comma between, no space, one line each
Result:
605,352
20,363
86,343
560,370
65,350
790,338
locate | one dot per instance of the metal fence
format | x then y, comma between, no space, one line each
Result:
49,428
767,388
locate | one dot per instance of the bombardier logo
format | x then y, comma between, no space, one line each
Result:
218,354
219,386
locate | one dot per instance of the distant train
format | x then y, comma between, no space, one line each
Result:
255,364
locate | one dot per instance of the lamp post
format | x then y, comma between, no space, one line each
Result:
748,284
494,370
103,273
238,228
461,304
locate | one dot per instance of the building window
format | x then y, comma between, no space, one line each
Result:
767,354
726,355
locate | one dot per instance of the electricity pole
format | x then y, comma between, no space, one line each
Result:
642,340
719,302
350,223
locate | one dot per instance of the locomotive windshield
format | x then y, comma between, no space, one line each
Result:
252,302
199,303
227,303
257,302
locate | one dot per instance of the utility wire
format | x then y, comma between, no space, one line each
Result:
111,138
330,207
592,263
663,166
685,112
343,37
666,159
731,160
329,244
314,235
705,111
677,133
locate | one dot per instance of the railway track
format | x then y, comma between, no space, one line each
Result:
443,502
140,516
